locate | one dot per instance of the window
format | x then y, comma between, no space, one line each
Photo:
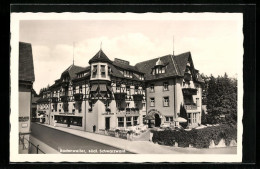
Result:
131,74
107,104
197,102
103,71
117,88
136,89
144,122
194,117
165,86
120,121
128,121
80,89
151,87
163,69
135,120
127,105
189,117
74,89
166,101
109,70
94,73
143,105
118,105
128,90
152,101
169,119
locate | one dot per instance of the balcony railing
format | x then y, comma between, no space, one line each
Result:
64,98
78,97
138,97
54,99
128,110
190,107
119,96
189,91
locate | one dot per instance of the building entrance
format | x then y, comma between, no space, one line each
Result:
157,120
107,123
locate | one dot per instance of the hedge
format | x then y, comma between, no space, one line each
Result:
199,138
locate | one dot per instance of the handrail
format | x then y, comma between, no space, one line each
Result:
21,139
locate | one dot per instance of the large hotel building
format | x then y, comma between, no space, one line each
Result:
109,94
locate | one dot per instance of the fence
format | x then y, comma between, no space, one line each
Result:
26,144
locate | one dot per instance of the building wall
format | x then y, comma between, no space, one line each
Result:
159,94
24,111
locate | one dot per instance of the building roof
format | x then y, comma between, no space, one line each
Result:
100,57
35,99
175,66
148,65
72,70
181,61
26,68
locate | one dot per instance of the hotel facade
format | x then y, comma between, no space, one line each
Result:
113,94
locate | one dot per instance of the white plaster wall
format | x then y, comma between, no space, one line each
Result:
24,111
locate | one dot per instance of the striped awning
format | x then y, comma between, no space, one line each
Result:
94,88
102,87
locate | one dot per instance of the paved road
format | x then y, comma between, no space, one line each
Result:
70,144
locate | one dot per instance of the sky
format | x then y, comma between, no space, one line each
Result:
215,44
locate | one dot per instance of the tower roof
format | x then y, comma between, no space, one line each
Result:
100,57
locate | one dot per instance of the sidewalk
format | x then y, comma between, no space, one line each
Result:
138,147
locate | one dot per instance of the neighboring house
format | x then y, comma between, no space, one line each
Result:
26,79
109,94
35,98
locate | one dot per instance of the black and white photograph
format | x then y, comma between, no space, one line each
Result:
126,87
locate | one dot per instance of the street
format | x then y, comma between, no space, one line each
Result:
71,144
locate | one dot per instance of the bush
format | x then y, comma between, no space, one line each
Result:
199,138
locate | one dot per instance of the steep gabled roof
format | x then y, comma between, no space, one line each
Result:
148,65
181,61
26,68
175,66
72,70
100,57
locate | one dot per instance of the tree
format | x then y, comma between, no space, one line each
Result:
183,114
203,117
221,100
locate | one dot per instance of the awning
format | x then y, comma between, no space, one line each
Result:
102,87
109,88
94,88
181,120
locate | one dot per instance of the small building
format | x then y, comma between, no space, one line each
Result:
26,79
109,94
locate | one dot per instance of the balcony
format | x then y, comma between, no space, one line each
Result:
78,97
189,91
190,107
64,98
187,76
119,96
138,97
54,99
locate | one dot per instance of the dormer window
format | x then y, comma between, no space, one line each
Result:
103,71
128,74
159,67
